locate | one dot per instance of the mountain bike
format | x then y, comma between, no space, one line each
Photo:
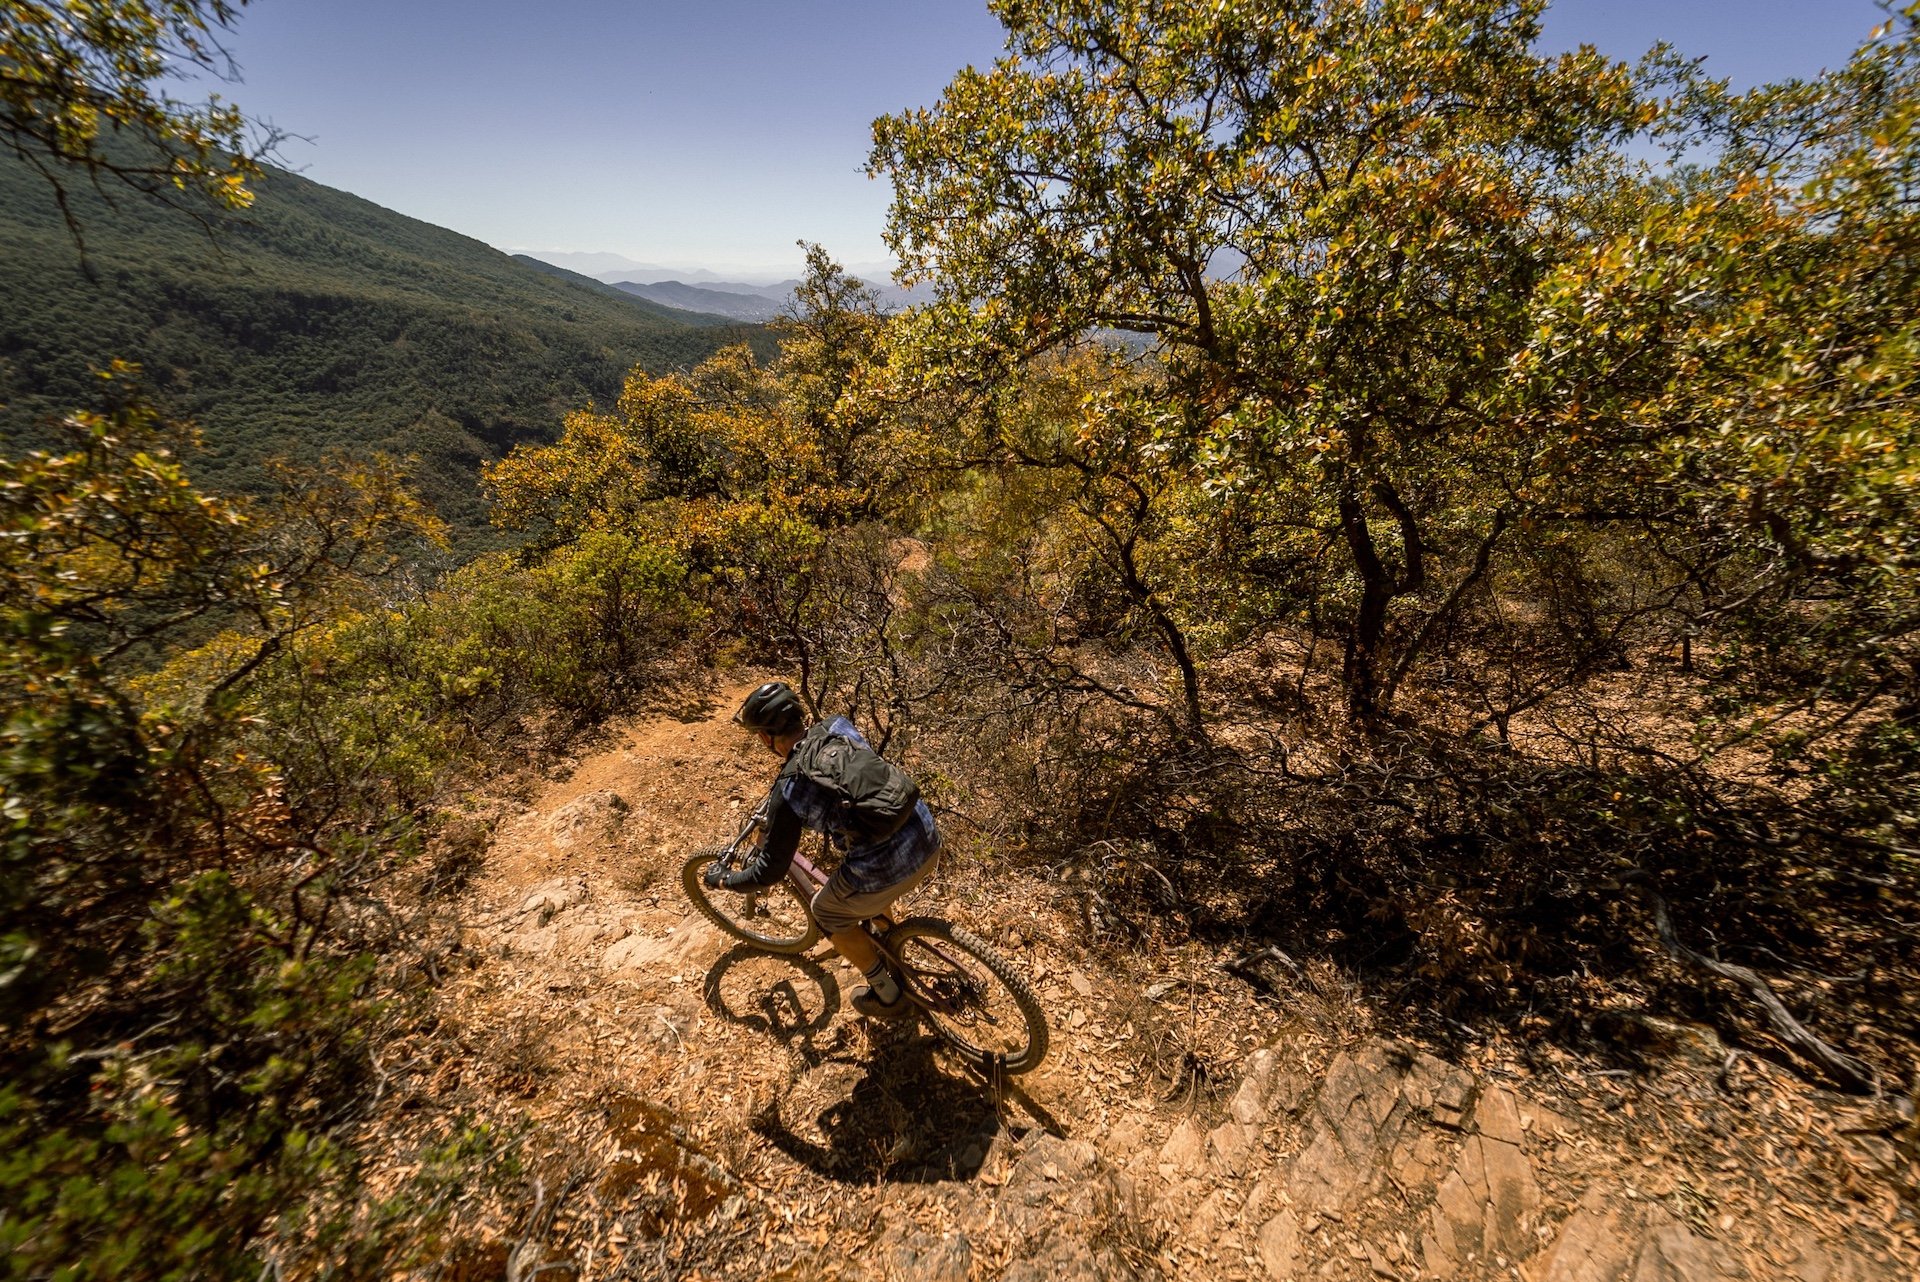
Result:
977,1002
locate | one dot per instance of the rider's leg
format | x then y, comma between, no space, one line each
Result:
856,945
840,913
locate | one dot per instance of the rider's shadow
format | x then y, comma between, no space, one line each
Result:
897,1115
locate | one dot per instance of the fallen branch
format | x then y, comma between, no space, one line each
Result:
520,1260
536,1227
1244,965
1843,1067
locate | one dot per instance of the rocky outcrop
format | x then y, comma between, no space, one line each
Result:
588,818
1398,1165
1485,1207
554,896
677,950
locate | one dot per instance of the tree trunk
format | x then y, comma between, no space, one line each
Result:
1360,671
1170,632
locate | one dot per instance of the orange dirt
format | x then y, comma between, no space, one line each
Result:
694,1109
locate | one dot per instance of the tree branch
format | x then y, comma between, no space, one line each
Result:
1856,1073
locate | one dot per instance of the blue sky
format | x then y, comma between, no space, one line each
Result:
717,132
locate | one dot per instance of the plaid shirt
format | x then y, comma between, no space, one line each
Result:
871,867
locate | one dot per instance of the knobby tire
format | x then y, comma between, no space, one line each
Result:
724,909
936,957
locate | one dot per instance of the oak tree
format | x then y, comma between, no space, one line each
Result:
1329,218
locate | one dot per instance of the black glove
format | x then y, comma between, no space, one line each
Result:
719,877
750,875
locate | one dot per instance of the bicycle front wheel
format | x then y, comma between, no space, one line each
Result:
777,919
974,997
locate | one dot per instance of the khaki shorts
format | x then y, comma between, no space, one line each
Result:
836,908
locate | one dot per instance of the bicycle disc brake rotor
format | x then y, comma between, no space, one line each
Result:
952,995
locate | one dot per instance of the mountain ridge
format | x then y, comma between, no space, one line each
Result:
748,302
737,301
602,265
665,311
318,321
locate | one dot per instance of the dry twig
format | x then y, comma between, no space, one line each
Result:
1856,1073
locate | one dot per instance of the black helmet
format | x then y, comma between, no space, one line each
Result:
772,709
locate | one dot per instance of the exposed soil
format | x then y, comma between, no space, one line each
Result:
691,1108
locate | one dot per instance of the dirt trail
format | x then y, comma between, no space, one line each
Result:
699,1110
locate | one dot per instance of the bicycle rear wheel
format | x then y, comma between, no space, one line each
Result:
973,996
777,919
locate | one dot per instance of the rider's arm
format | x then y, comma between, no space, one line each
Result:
771,859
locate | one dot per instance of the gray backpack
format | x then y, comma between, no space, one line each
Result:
870,797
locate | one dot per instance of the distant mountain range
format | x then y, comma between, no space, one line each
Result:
612,267
699,290
618,267
319,320
742,302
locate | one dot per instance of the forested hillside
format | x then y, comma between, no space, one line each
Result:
313,321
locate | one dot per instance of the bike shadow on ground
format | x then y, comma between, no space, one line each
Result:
790,999
888,1112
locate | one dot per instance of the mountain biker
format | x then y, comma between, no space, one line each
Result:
878,867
